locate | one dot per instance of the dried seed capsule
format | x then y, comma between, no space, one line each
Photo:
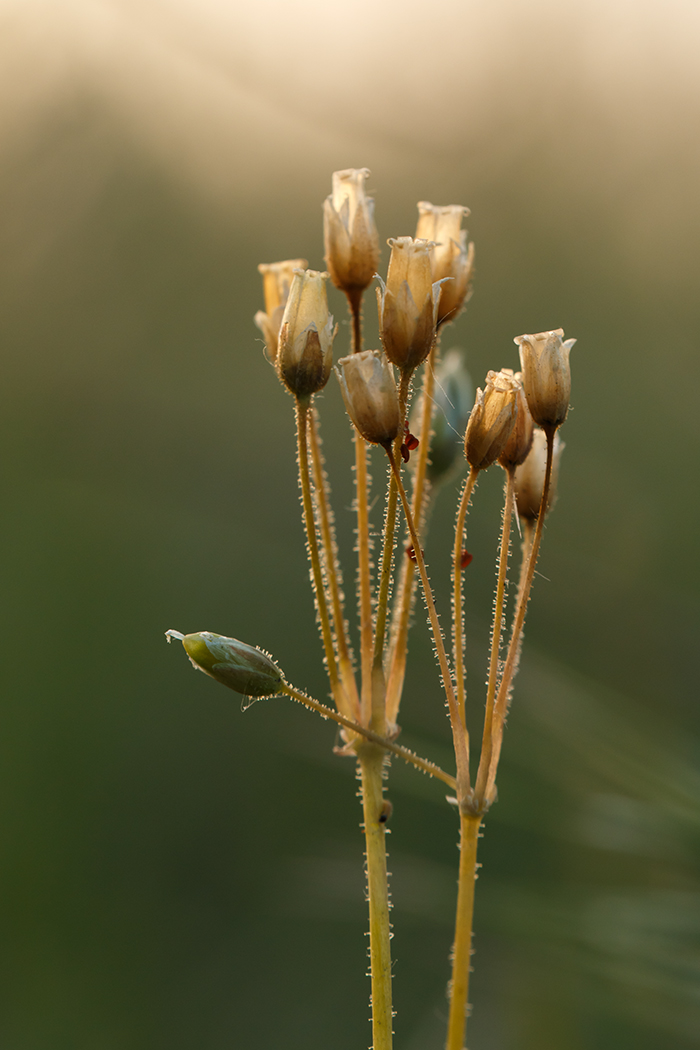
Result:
241,667
408,304
305,351
349,232
453,398
450,257
277,280
529,478
369,392
492,419
520,439
544,359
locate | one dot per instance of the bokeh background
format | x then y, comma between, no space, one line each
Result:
178,874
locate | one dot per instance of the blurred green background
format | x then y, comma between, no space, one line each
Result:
177,874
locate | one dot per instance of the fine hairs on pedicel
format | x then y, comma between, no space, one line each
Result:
511,423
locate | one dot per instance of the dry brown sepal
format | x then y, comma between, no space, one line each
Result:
305,353
369,392
520,440
451,257
277,280
529,478
544,359
349,232
492,419
408,304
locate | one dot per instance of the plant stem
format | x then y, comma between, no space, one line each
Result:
525,549
332,573
459,731
387,560
341,699
462,949
385,571
423,764
497,628
486,778
364,579
371,763
406,588
457,615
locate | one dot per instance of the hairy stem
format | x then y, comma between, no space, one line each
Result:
371,763
525,549
385,571
462,948
364,578
332,573
342,701
486,778
457,614
407,578
423,764
389,533
497,627
459,732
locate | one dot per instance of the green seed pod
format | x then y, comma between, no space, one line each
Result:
241,667
453,397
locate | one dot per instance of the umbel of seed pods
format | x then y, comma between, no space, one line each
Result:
513,422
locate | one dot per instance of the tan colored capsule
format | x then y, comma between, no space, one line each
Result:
451,257
529,478
349,232
305,349
277,280
492,419
544,359
408,304
369,392
520,440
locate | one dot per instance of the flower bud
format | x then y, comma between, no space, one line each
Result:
369,392
305,349
453,398
529,478
544,359
450,257
241,667
520,440
277,280
408,304
492,419
349,233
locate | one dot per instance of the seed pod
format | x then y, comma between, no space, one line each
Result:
408,304
544,359
449,257
369,392
520,440
453,398
492,419
529,478
277,280
241,667
305,350
349,232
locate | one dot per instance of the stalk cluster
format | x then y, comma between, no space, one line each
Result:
512,423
